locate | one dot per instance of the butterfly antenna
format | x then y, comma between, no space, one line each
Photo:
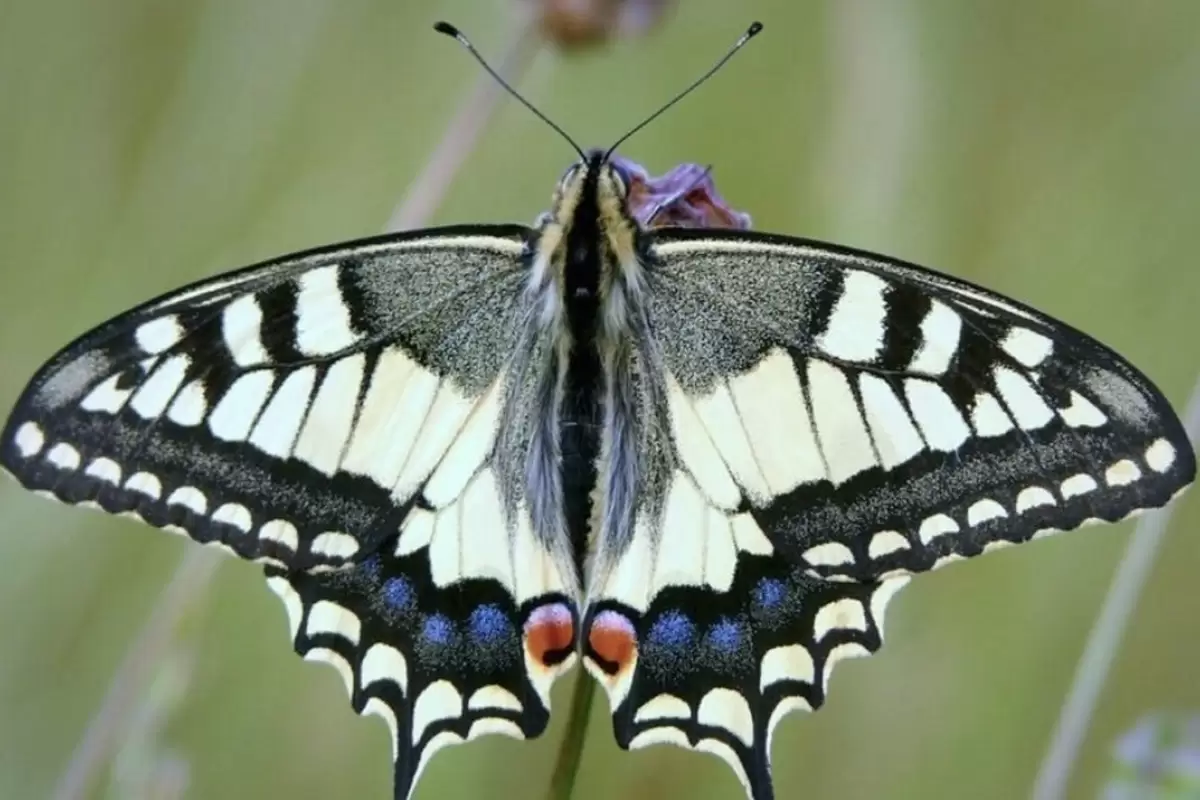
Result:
455,33
754,29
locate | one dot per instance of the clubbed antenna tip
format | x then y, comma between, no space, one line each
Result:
754,29
448,29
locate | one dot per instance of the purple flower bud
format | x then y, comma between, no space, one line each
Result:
684,197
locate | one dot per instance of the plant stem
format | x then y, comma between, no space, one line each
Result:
570,751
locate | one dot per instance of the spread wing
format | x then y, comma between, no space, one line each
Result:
291,411
876,417
337,415
837,421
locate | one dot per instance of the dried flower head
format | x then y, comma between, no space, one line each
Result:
684,197
573,24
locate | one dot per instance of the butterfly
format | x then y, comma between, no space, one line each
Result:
700,461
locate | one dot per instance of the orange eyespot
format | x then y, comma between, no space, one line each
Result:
613,641
549,634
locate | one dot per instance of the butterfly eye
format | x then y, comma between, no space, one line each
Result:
567,176
622,178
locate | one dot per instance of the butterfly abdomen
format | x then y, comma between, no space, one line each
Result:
579,431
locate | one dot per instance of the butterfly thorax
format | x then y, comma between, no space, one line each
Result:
589,236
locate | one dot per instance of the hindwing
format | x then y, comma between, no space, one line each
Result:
705,637
449,631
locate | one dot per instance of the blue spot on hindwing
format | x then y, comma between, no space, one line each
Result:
398,593
439,629
725,635
673,629
372,568
488,623
769,592
668,649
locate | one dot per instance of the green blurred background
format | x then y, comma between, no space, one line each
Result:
1044,148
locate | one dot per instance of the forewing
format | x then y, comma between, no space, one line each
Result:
294,411
874,417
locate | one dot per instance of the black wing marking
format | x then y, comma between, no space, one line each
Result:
439,664
292,411
875,417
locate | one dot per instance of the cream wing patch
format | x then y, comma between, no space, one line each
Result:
473,538
940,331
698,450
841,430
892,430
326,430
276,429
724,425
778,423
323,325
693,544
396,403
857,325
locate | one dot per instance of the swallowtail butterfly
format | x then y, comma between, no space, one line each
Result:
701,461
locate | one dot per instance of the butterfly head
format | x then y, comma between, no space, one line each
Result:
595,183
590,234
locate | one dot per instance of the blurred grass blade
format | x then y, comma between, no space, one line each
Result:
144,768
427,190
1105,640
111,722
